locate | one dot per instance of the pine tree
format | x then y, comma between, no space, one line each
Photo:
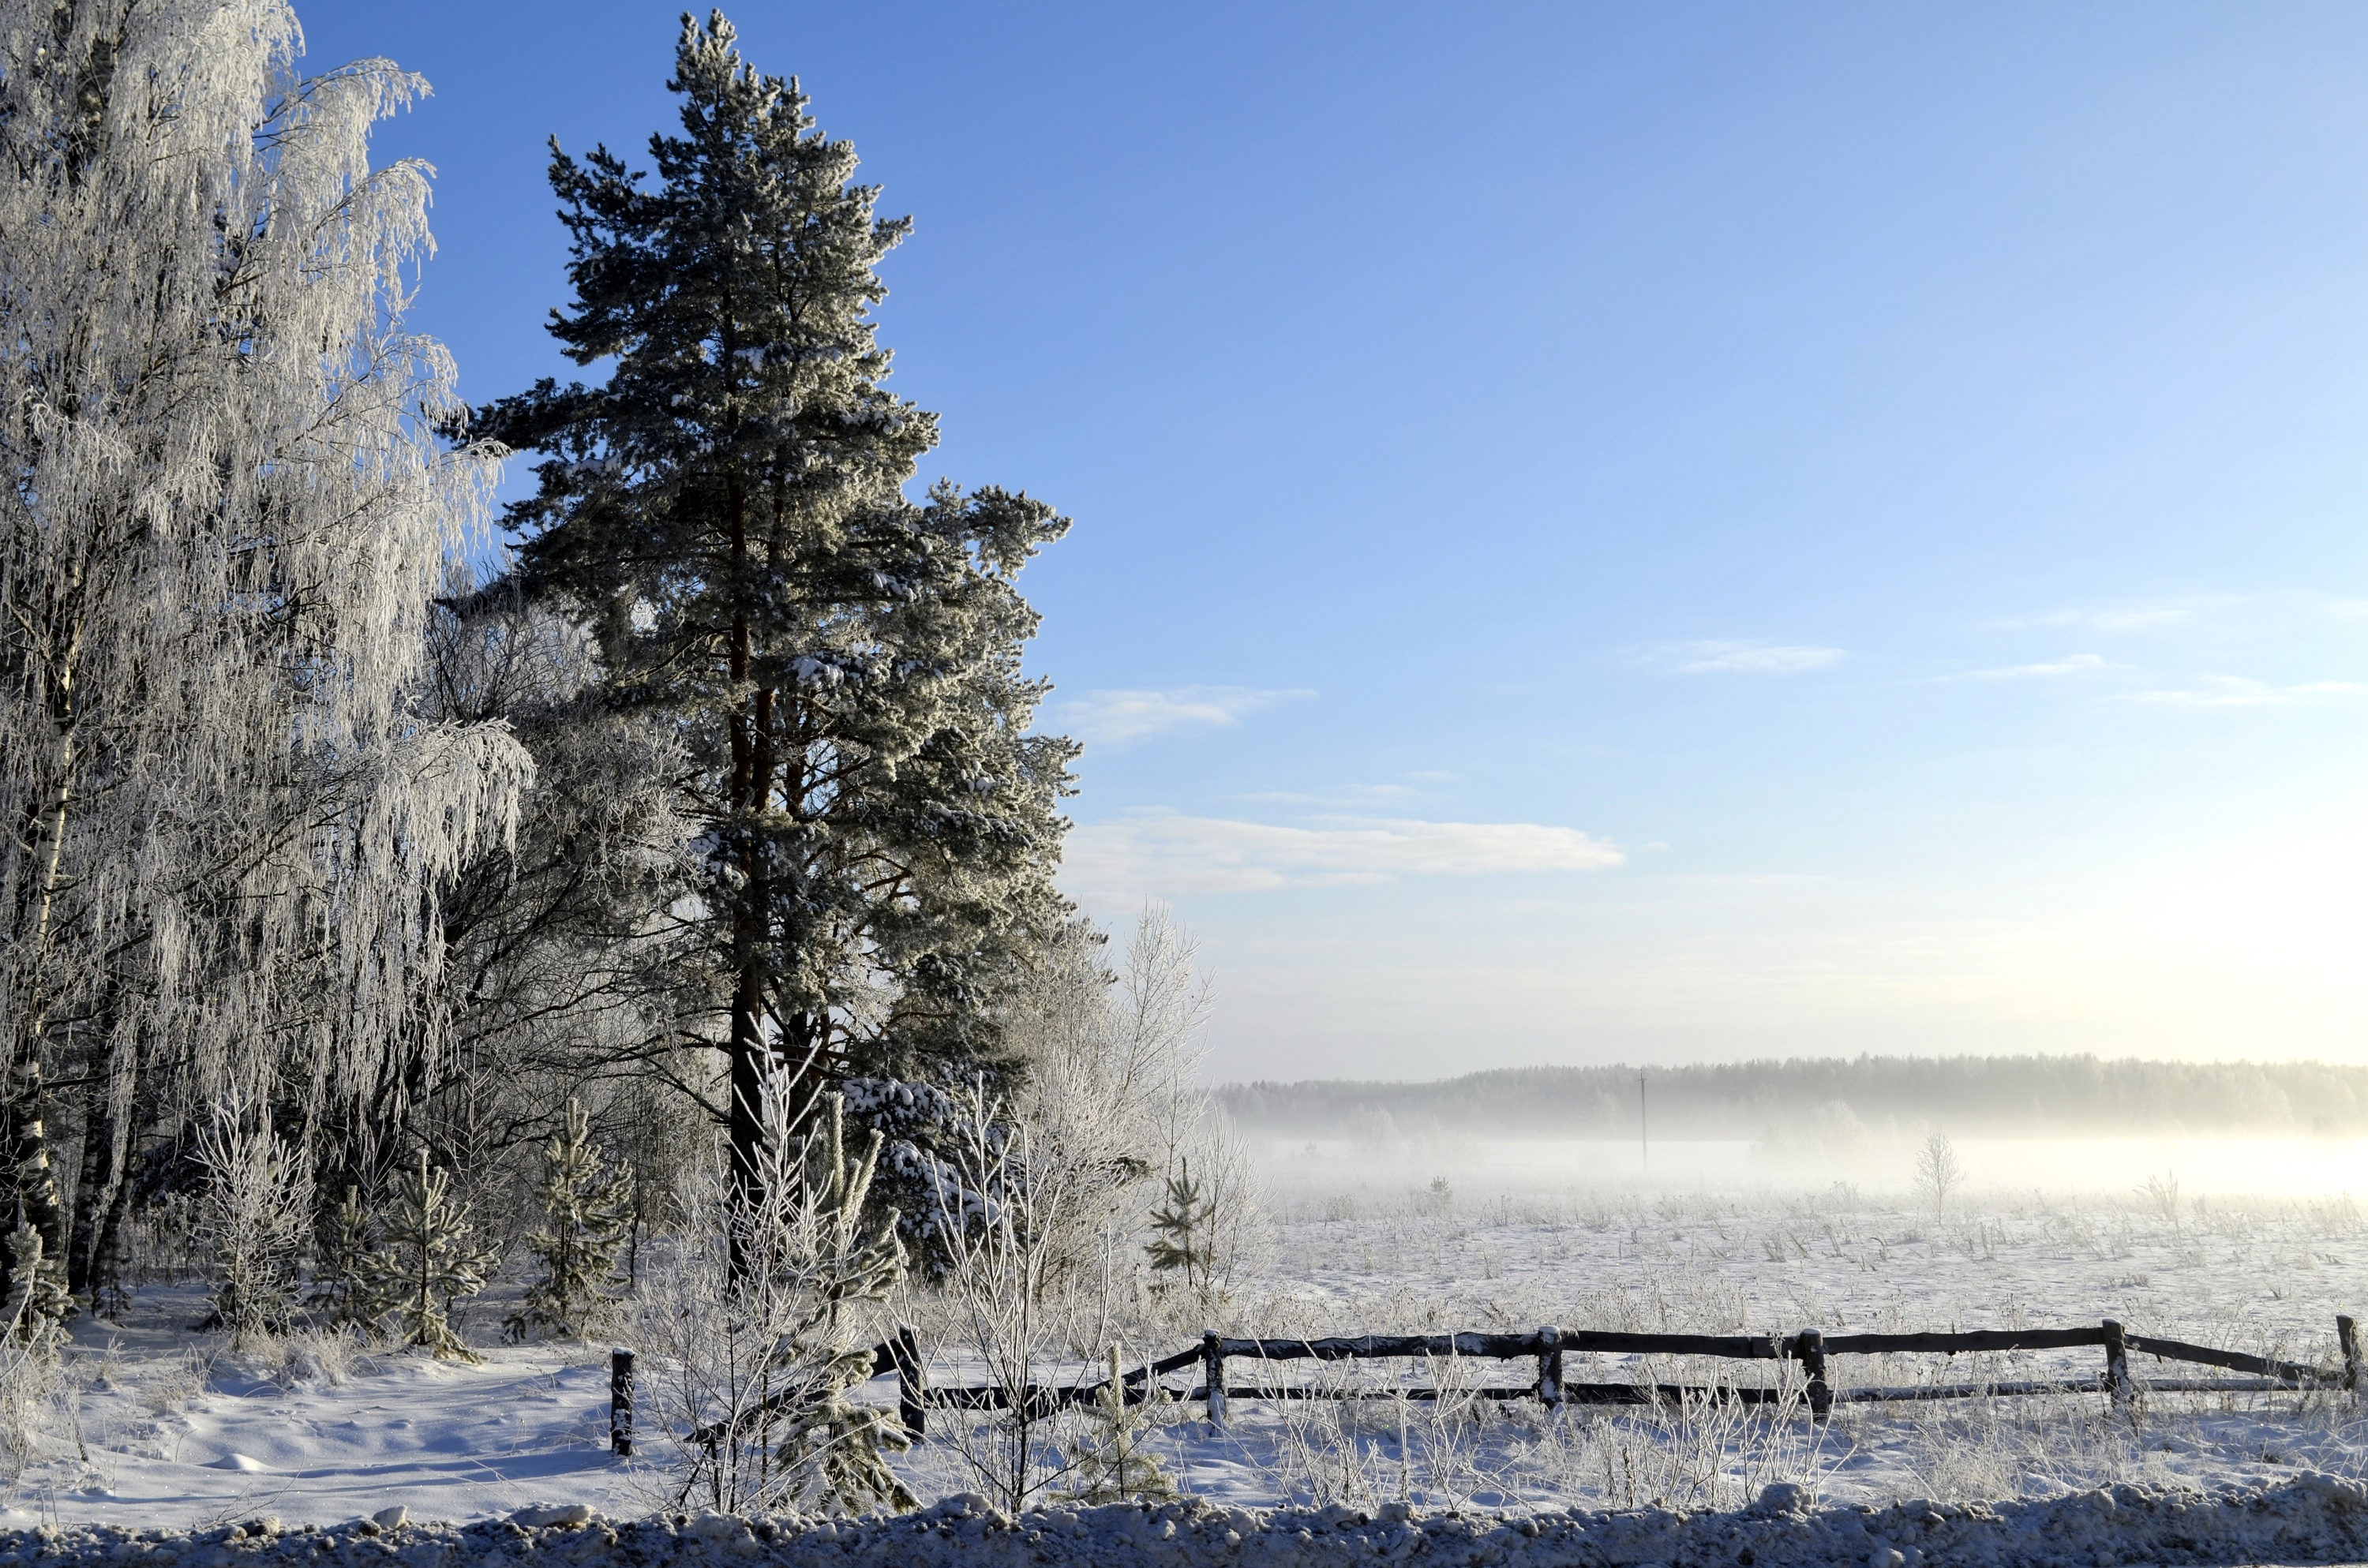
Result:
1185,1224
842,663
586,1214
760,1332
424,1263
1111,1462
32,1275
342,1269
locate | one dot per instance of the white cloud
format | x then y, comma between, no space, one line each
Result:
2076,663
2236,691
1115,717
1754,658
1169,853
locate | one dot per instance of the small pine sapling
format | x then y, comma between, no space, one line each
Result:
257,1195
425,1263
760,1332
837,1443
341,1289
587,1212
1112,1464
998,1221
1186,1223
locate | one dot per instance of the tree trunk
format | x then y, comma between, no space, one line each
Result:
25,1150
95,1188
748,1084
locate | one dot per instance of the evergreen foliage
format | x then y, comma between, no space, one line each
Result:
1112,1463
36,1303
424,1263
759,1336
256,1206
842,664
340,1290
835,1445
33,1277
1184,1227
586,1214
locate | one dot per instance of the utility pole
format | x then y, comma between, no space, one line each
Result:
1644,1134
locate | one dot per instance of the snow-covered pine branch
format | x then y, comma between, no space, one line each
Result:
256,1210
879,824
426,1260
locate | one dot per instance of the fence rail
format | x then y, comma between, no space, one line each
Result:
1811,1349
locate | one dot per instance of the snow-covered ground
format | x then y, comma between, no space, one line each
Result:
152,1426
2313,1519
173,1430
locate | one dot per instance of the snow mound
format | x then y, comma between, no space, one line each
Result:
246,1462
2315,1519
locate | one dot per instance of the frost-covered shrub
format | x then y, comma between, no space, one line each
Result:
1938,1171
1112,1457
586,1214
31,1376
255,1208
756,1334
1112,1102
1000,1214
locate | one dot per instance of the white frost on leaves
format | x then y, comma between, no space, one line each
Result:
226,514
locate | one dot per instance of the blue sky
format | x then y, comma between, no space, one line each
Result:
1650,532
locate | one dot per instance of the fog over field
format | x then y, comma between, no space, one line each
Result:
2071,1125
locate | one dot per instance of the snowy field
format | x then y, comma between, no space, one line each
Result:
150,1425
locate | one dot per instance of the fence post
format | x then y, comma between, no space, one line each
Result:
2117,1364
1212,1374
620,1402
912,1380
2347,1335
1811,1347
1550,1368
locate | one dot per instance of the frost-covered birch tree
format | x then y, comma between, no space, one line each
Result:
225,512
841,663
557,964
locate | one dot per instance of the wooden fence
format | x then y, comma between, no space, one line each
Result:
1216,1359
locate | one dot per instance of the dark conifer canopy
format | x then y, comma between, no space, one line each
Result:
842,663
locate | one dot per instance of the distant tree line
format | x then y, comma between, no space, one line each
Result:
1995,1095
